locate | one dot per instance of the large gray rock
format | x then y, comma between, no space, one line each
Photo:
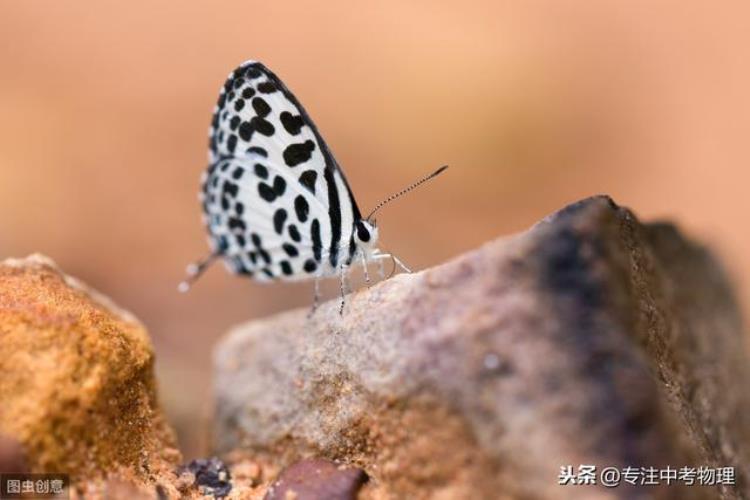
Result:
588,339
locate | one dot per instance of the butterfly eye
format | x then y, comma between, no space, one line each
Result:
362,233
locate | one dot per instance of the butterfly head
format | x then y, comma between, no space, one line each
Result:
366,234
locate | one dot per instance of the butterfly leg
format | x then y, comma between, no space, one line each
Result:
364,268
380,257
316,292
195,270
400,264
381,269
343,271
316,296
396,260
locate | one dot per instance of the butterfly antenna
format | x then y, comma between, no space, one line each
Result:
195,270
406,190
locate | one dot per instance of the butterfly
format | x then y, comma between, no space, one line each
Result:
276,204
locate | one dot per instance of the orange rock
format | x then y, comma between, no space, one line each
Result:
77,386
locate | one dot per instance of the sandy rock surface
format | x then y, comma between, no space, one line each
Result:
77,385
589,339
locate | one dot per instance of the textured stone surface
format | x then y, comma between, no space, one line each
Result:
210,476
590,338
77,385
77,395
240,477
317,479
12,458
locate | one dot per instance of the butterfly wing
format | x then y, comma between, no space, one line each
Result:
275,202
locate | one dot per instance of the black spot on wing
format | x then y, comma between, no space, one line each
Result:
255,237
262,126
236,223
232,143
261,107
222,244
316,240
290,250
264,255
248,92
258,151
237,73
292,123
239,104
286,268
261,171
253,72
301,207
297,153
229,188
294,233
266,192
267,87
308,179
352,250
279,218
246,131
279,185
310,266
334,213
239,267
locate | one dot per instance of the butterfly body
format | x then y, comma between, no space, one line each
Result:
275,202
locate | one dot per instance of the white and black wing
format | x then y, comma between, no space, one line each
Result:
275,202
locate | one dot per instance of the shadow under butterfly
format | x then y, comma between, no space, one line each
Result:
276,204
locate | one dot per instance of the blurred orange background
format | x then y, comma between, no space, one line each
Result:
105,108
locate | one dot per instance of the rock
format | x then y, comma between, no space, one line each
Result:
317,479
247,472
238,477
211,476
12,457
589,339
77,385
